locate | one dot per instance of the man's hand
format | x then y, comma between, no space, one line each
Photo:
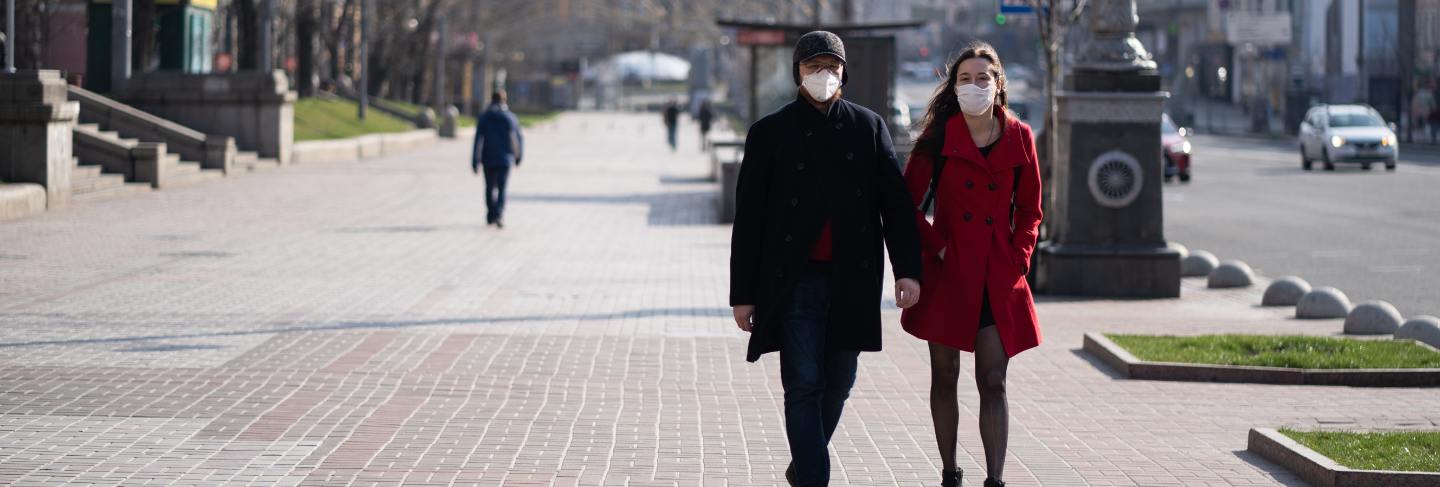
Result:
907,292
744,316
942,253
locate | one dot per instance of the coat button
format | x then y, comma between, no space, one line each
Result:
788,239
969,184
794,201
863,228
992,186
849,155
780,274
865,264
989,220
839,126
809,133
968,216
801,167
859,193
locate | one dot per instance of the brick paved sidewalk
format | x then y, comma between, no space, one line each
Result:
356,323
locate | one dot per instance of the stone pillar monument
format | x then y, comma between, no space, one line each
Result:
1108,227
36,126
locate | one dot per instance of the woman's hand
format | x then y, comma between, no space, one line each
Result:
907,292
941,255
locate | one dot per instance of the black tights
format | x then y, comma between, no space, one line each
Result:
990,365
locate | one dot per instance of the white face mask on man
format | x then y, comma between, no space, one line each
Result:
973,99
822,85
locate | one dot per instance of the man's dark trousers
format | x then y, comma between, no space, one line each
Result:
496,175
816,379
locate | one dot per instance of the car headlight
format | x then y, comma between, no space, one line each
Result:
1387,140
1185,147
1337,141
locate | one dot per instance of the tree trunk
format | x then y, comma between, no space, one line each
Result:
306,23
142,40
247,25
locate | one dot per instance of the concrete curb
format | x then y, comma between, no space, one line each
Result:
1320,471
1133,368
19,200
362,147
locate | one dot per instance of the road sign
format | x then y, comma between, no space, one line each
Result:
1258,29
753,37
1015,7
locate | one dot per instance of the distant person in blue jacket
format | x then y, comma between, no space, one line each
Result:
498,145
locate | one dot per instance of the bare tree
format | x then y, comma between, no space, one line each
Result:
1054,19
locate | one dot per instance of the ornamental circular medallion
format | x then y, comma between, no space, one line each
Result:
1115,179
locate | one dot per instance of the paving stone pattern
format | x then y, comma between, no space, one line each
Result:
357,324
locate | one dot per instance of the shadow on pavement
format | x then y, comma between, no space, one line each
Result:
1098,364
1277,473
362,325
666,209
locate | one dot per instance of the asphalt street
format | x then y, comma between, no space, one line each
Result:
1372,234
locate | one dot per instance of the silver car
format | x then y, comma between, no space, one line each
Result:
1347,133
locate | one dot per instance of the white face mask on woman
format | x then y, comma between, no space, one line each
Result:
821,85
973,99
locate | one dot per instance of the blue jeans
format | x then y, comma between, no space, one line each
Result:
817,379
495,178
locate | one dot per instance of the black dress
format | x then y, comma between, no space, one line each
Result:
987,317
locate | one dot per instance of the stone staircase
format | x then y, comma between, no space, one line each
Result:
145,148
89,183
135,160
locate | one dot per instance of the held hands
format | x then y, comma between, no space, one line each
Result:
907,292
744,316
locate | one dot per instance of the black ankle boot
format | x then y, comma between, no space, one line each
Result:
989,482
951,478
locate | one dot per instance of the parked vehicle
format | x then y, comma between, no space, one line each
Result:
1175,147
1347,133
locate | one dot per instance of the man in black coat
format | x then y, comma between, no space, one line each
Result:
820,197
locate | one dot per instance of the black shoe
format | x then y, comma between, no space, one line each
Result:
790,474
989,482
499,224
951,478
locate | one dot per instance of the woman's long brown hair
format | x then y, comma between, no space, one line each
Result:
943,104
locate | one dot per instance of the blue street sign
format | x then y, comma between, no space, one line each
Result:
1015,6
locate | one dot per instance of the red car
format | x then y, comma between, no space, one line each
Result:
1176,150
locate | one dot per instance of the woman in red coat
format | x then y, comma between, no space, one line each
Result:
976,252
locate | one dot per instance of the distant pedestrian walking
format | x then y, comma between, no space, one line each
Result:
672,121
498,146
705,116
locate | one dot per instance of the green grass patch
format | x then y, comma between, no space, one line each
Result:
325,119
1411,451
1300,352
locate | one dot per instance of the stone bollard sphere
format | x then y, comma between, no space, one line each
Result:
1323,303
1373,318
1231,274
1285,291
1424,329
1198,263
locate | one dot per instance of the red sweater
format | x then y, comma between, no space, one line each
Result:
822,250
